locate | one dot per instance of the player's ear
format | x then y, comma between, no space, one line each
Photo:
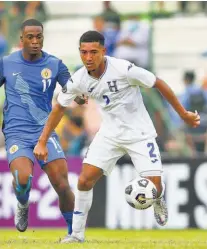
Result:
104,50
21,38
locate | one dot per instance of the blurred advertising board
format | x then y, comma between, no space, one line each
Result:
44,210
186,188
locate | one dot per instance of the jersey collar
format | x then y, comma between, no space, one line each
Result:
33,62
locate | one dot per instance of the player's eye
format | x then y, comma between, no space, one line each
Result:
93,52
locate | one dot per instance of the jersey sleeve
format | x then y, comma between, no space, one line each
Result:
68,94
63,74
138,76
2,79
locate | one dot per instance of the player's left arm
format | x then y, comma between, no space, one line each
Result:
65,97
63,77
40,150
141,77
191,118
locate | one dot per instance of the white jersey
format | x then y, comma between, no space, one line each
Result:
124,116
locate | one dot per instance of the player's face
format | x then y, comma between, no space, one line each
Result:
32,39
92,55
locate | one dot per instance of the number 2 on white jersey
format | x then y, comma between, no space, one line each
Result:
152,153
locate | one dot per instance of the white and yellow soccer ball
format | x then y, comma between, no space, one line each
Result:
140,193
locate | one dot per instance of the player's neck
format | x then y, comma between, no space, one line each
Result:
99,71
31,57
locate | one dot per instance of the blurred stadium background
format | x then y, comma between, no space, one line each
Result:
168,38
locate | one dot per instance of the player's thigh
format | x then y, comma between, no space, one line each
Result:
54,151
145,156
103,153
57,171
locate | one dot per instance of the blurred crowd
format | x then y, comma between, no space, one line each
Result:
129,39
12,14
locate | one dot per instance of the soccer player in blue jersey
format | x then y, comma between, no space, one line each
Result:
29,77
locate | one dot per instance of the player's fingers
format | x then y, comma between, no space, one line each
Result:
45,157
196,124
38,156
85,98
35,153
36,150
197,114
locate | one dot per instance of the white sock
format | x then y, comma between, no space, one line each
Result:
83,202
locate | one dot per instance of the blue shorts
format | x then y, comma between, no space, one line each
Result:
19,148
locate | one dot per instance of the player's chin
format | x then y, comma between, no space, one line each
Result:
35,51
90,70
33,54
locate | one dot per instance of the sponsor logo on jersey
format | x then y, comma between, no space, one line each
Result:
13,149
46,73
14,74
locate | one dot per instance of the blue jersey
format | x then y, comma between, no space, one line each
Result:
29,88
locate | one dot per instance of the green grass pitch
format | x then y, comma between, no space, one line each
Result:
106,239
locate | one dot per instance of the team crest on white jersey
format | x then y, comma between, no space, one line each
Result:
13,149
46,73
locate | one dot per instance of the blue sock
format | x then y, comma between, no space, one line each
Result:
22,191
23,198
68,216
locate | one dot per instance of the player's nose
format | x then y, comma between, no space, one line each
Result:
34,40
88,57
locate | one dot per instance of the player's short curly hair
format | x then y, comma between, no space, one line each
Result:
31,22
92,36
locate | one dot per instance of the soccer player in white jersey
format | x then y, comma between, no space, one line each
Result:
126,126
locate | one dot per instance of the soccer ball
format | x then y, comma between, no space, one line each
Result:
140,193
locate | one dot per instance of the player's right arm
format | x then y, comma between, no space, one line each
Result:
144,78
190,118
65,97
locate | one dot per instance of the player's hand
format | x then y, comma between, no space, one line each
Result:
192,119
81,100
41,152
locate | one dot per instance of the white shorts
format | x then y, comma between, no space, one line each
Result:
104,153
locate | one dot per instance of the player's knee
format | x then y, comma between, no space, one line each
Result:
61,187
84,183
22,184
